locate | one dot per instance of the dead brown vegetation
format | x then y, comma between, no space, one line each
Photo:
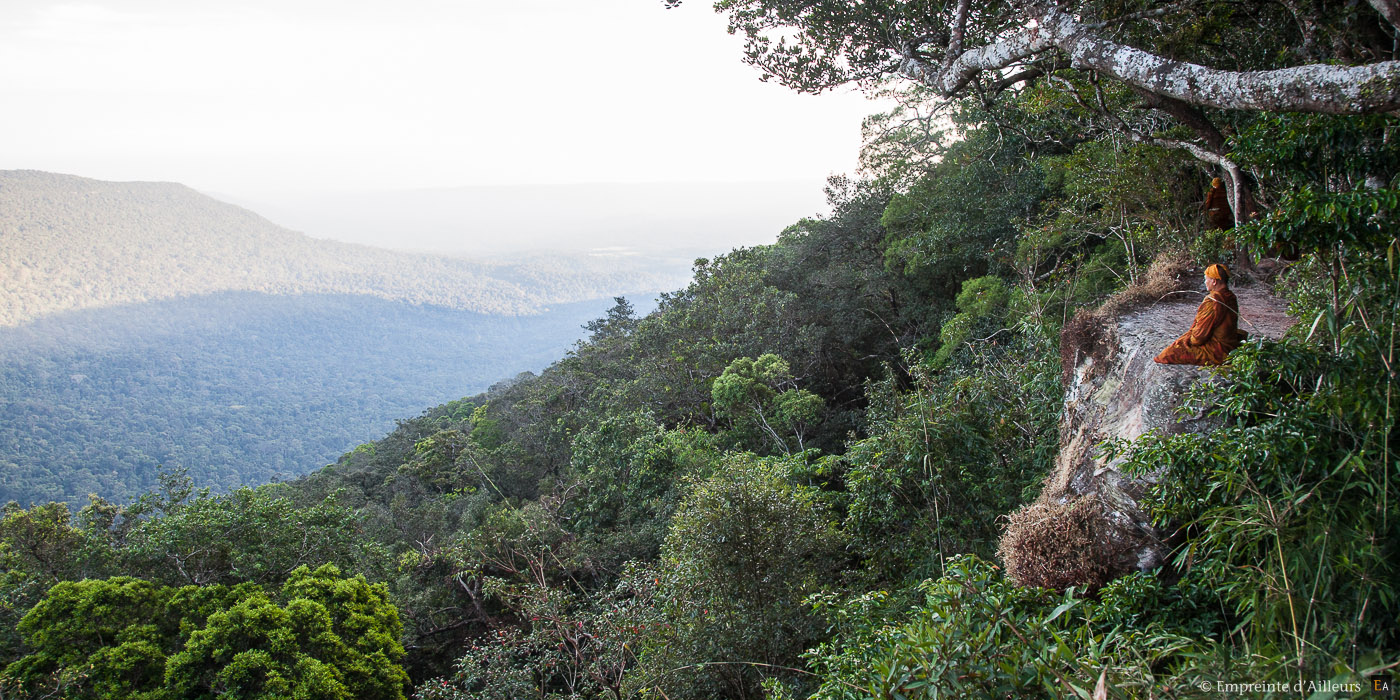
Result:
1061,544
1168,274
1086,334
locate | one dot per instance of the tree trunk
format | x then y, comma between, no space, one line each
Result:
1390,10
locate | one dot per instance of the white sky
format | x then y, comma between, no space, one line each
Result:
262,97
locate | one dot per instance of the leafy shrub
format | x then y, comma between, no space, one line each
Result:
1291,510
334,637
981,307
962,444
745,548
977,634
575,645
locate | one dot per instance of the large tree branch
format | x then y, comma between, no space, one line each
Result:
1238,191
1015,79
1213,152
1191,116
1312,88
955,42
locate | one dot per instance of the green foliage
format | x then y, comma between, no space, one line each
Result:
333,637
981,304
1111,208
824,43
960,220
1102,186
856,312
619,322
983,296
969,441
1313,220
761,397
1337,180
257,649
71,628
574,646
1292,510
111,638
978,635
39,547
248,535
729,311
435,458
632,473
1300,150
43,541
745,547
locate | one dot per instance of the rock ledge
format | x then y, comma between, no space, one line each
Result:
1086,528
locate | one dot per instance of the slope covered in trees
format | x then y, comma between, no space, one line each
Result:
790,479
239,387
70,243
145,324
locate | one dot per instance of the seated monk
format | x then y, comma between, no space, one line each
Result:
1216,329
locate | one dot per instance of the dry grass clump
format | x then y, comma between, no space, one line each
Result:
1057,545
1086,335
1169,272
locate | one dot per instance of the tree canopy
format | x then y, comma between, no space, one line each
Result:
964,47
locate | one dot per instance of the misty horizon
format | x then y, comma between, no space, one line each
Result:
365,97
648,218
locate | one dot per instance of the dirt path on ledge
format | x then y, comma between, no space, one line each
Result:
1155,326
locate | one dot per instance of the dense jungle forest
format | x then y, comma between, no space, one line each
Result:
239,388
790,480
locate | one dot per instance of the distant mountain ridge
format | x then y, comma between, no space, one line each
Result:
146,324
699,219
69,243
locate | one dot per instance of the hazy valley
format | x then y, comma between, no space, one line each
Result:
145,324
69,243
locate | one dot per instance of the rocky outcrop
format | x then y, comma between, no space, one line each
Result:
1087,528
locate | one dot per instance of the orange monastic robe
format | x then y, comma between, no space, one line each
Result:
1217,209
1212,336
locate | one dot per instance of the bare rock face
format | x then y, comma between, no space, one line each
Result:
1086,528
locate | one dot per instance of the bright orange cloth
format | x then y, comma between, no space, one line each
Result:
1213,335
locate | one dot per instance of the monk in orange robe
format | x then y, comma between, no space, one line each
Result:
1216,329
1217,208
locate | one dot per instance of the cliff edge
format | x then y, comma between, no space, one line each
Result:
1086,527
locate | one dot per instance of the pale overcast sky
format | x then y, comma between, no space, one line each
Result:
257,97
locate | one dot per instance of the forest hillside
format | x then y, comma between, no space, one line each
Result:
240,388
145,324
70,243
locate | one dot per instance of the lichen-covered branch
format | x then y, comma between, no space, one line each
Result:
1329,89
